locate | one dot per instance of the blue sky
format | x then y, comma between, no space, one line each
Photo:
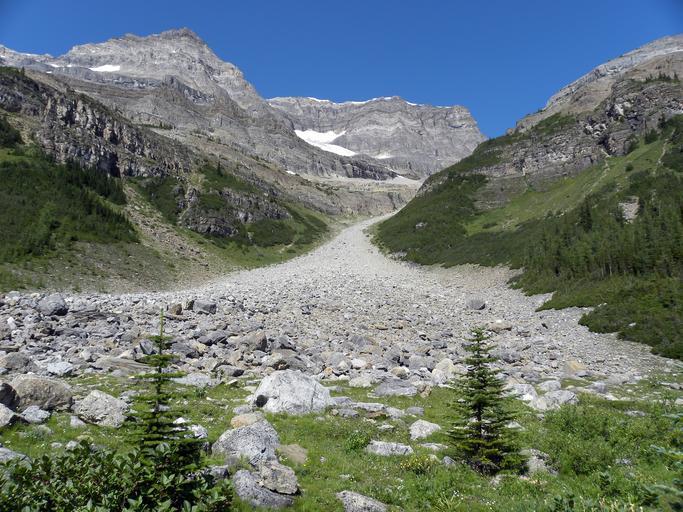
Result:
501,58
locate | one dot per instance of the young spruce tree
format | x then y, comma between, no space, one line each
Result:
480,434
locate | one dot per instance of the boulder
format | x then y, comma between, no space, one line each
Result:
46,393
354,502
18,363
8,397
246,486
8,417
243,420
291,392
278,477
395,387
255,442
53,305
102,409
6,455
554,399
364,380
60,368
35,415
475,304
204,306
386,449
550,385
422,429
196,379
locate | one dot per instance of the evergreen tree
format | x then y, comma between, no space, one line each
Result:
167,445
480,433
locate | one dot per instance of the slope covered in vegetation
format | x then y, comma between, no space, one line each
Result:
610,237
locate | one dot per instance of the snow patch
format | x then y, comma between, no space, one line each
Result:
291,172
323,140
106,68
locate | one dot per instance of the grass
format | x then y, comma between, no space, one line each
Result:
584,442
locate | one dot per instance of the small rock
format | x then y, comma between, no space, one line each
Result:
278,477
422,429
60,369
205,307
255,442
384,448
246,486
35,415
53,305
102,409
354,502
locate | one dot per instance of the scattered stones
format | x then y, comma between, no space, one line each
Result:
354,502
422,429
102,409
44,392
291,392
386,449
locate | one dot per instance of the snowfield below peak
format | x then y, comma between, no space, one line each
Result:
323,140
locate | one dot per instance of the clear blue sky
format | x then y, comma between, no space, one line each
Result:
500,58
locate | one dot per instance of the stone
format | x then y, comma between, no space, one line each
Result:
536,461
175,309
365,380
6,455
8,417
278,477
53,305
102,409
243,420
44,392
444,371
255,442
354,502
415,411
386,449
476,304
395,387
8,397
76,422
17,362
498,325
205,307
554,399
246,486
293,453
35,415
60,368
550,385
227,370
196,379
525,392
291,392
422,429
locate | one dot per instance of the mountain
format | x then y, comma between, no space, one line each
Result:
174,79
586,196
414,140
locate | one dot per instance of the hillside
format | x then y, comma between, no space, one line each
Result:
588,204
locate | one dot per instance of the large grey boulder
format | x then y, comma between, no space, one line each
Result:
44,392
102,409
291,392
354,502
255,442
278,477
204,306
6,455
395,387
247,487
53,305
387,449
422,429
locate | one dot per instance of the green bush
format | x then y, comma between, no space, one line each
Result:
101,480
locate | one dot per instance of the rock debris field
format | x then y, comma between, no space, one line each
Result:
342,314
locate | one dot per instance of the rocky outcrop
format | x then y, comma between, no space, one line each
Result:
415,140
75,127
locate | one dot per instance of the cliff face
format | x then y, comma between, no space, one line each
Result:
71,126
414,140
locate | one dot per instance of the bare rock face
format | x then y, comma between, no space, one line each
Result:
415,140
